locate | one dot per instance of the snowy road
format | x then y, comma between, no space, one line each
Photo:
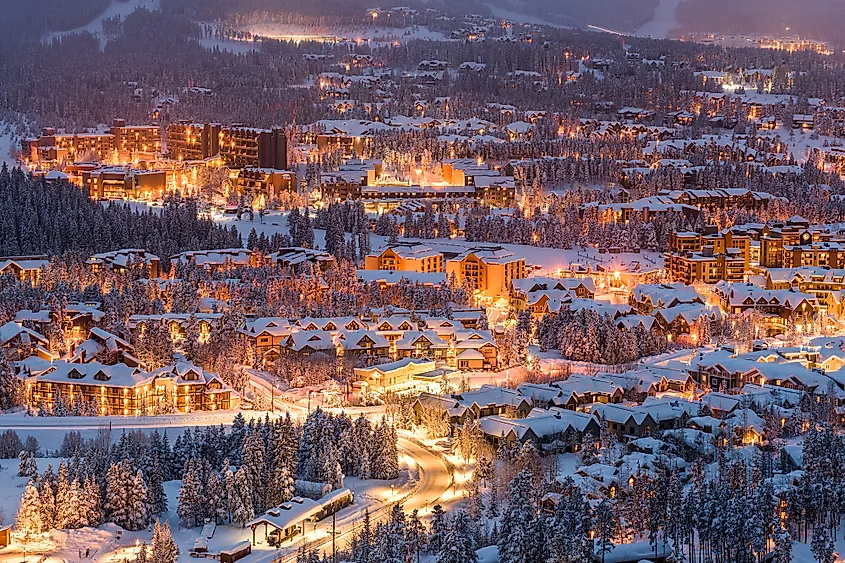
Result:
433,486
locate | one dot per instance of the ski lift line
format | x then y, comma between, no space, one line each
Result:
605,30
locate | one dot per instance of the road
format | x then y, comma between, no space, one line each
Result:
435,480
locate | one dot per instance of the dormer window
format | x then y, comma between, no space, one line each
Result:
101,376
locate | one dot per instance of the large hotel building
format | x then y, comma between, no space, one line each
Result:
237,146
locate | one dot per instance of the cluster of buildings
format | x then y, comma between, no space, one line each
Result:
487,269
733,253
144,162
381,342
455,179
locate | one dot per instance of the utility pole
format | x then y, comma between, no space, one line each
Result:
334,532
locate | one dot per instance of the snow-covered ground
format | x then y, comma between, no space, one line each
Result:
7,141
663,22
116,8
500,12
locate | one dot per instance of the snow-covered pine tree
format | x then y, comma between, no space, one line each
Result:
439,527
26,465
217,503
118,485
518,532
155,490
279,486
191,498
459,546
255,468
164,549
28,520
139,505
240,503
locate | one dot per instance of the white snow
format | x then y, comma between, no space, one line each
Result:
500,12
116,8
663,22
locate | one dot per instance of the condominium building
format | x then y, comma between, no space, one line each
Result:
121,143
236,145
705,266
489,270
121,183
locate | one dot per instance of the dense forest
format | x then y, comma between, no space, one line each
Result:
37,217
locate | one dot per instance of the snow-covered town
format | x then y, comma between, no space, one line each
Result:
450,282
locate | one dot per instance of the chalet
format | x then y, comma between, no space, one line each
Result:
367,345
23,341
645,298
120,261
554,430
178,324
77,319
490,400
268,335
104,347
294,259
219,259
581,390
24,268
475,350
393,376
626,422
450,408
420,344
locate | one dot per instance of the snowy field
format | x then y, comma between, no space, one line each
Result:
7,141
663,22
95,27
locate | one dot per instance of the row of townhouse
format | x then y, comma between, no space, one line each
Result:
290,259
121,389
802,370
779,307
375,340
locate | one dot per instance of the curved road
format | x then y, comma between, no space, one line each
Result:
435,480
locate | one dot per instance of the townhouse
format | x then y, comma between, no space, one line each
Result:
120,389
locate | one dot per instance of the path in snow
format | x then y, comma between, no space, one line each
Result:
663,22
116,8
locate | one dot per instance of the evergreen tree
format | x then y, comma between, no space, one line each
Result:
240,503
164,548
459,546
28,520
